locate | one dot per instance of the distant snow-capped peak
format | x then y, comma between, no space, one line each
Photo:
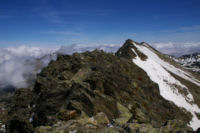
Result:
189,61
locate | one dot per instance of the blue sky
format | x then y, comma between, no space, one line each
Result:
64,22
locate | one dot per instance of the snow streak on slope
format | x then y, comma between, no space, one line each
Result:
146,50
168,85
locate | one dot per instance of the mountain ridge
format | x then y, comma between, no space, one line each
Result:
81,87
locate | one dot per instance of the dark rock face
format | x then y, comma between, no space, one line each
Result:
90,83
126,51
21,112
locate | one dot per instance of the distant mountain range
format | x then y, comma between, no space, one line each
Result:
190,61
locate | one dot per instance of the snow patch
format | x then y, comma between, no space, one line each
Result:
156,69
147,51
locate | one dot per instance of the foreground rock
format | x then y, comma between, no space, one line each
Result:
94,92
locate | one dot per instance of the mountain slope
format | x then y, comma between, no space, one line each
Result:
159,71
134,90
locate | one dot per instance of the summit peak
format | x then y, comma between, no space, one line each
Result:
126,50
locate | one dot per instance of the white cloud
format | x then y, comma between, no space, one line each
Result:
178,48
16,63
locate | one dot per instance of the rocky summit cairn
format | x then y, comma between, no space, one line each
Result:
94,92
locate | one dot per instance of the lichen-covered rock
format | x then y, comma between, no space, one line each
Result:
141,117
174,126
44,129
66,115
125,115
84,124
101,118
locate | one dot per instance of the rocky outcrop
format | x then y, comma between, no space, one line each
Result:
127,51
100,124
94,92
21,111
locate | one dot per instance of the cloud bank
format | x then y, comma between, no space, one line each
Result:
19,64
177,48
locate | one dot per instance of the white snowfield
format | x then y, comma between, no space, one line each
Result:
158,71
